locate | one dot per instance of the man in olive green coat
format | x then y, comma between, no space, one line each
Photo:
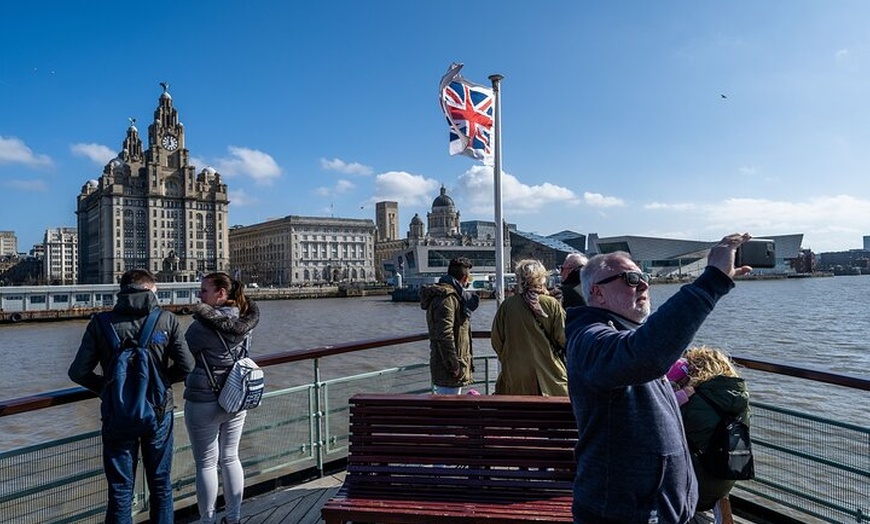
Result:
448,314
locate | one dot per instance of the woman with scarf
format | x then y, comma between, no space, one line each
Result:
528,335
220,332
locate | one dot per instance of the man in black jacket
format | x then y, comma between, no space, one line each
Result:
136,299
572,295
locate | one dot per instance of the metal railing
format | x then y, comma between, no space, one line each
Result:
813,468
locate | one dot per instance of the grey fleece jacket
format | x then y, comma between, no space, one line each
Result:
202,337
633,464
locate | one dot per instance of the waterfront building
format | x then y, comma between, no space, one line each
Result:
666,257
548,250
387,221
151,209
851,262
423,256
8,243
387,242
60,256
572,238
297,250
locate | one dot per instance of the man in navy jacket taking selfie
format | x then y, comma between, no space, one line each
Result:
633,464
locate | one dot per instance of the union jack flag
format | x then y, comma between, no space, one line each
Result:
469,109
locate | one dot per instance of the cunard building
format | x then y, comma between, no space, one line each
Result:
151,209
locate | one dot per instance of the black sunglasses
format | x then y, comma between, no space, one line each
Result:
631,278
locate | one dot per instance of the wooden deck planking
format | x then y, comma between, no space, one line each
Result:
292,505
301,504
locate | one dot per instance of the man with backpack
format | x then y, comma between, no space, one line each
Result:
141,352
633,463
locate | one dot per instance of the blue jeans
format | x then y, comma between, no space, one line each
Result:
120,456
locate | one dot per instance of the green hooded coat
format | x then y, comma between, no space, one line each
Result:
730,396
450,354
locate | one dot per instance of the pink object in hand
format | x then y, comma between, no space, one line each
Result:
679,371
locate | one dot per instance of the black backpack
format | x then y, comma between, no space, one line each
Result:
134,394
729,453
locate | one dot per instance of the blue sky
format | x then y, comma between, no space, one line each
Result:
613,115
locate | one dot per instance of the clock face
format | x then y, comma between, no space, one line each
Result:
170,142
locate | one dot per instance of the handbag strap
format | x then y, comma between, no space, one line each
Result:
208,371
242,347
211,381
558,350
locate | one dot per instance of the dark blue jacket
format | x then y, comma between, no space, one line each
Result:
633,464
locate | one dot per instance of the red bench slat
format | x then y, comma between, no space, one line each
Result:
457,459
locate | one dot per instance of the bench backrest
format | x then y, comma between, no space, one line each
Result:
461,442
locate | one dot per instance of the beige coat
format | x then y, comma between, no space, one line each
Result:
528,365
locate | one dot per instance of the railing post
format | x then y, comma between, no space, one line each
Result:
319,444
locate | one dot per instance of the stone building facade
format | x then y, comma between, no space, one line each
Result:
60,256
299,251
151,209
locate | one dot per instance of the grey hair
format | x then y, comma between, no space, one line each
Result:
573,261
590,274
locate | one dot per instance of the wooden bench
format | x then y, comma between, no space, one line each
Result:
457,459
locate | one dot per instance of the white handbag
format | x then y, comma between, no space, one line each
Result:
245,383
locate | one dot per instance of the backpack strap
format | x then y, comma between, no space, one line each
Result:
145,333
105,322
147,330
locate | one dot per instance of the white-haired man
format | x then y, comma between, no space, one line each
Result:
570,273
633,464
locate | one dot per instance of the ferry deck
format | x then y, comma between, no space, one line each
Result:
810,469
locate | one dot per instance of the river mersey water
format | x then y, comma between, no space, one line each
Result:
813,322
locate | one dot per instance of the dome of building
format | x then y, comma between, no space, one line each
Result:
93,183
209,170
417,220
443,200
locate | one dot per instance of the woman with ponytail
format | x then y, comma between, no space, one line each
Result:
219,334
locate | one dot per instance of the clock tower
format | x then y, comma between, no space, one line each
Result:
151,209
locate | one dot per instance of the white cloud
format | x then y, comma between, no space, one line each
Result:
200,163
96,153
27,185
342,186
820,219
354,168
747,170
476,185
406,189
670,207
239,198
842,55
601,201
249,162
14,151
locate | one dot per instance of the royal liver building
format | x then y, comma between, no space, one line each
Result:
151,209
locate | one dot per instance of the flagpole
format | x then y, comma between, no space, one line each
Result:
496,170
